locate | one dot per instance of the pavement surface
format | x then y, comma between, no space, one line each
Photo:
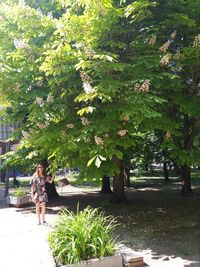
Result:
23,243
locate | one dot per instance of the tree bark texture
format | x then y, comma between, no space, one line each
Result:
190,132
105,189
118,183
51,190
165,170
127,182
186,179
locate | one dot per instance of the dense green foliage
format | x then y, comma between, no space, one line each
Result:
82,236
93,82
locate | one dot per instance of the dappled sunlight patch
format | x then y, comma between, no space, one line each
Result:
161,210
149,189
151,258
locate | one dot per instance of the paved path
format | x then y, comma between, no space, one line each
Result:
23,243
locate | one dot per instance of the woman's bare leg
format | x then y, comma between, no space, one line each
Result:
43,211
37,205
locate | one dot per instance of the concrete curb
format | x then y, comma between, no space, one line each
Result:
125,257
112,261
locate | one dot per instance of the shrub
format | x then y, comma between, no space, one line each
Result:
82,236
18,193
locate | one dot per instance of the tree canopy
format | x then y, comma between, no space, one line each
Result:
92,80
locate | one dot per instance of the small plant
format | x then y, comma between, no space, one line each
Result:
18,193
82,236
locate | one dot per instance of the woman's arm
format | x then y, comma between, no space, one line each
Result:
32,191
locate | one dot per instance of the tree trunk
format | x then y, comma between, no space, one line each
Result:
51,190
151,168
127,182
186,179
50,186
2,176
118,183
6,184
15,181
177,169
189,131
165,170
3,173
105,189
146,167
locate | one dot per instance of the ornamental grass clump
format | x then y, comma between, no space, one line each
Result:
18,193
82,236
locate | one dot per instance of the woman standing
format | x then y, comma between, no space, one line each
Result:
38,192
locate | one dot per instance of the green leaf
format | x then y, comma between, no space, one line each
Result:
102,158
98,162
90,161
119,154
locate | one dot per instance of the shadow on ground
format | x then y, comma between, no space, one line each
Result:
156,220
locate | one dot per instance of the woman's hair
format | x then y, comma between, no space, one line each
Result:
36,174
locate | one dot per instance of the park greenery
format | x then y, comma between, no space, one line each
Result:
19,192
102,85
83,235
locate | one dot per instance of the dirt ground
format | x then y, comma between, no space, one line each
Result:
157,221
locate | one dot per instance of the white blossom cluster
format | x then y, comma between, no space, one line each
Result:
164,47
88,88
17,88
32,155
39,83
106,136
25,134
165,59
85,77
126,118
196,40
85,121
39,101
50,98
50,15
89,52
86,83
99,141
122,132
167,135
142,88
40,13
20,44
153,40
42,125
70,125
173,35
